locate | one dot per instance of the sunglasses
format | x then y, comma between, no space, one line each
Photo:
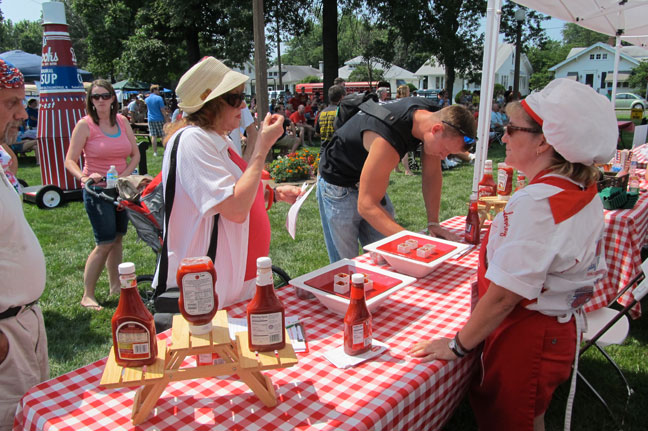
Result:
510,129
234,99
468,141
104,96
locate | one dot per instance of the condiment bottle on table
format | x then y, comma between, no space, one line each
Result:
487,185
357,320
265,312
198,301
471,235
133,328
520,182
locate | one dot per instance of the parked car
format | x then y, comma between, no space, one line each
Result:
629,101
428,94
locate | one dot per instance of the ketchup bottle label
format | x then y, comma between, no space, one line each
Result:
266,329
361,335
198,293
133,341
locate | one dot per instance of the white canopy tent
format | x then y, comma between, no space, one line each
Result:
626,19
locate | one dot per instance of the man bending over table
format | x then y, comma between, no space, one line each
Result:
23,342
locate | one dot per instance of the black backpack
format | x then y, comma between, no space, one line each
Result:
366,102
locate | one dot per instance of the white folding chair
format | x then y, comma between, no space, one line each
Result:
607,326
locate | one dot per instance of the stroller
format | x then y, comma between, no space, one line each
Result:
142,197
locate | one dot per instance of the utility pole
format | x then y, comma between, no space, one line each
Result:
260,61
520,14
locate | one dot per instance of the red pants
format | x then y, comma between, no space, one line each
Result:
523,362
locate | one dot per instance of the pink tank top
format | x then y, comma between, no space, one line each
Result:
101,150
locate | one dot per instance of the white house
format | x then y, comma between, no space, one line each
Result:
291,75
248,70
393,74
431,76
594,65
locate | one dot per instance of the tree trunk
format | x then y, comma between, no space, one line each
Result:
193,48
329,44
279,57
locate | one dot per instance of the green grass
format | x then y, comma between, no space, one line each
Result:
78,336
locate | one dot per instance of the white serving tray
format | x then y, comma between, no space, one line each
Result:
339,303
412,265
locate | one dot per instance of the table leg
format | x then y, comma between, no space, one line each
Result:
145,399
261,385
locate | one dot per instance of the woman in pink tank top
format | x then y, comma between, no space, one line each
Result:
104,138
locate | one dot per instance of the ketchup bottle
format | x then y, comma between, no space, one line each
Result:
265,313
487,185
504,181
198,302
357,320
521,181
471,235
133,327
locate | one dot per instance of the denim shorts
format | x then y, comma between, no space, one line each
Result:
106,221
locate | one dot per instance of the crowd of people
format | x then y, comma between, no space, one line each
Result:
538,264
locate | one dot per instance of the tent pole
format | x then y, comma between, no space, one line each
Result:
493,14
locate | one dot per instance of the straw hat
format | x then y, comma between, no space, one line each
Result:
206,80
577,121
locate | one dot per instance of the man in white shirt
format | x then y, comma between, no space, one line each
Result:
23,342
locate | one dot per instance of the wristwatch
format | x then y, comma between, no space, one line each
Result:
455,348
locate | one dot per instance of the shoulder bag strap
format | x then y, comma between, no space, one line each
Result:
169,196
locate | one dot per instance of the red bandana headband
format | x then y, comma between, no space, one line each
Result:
10,77
531,112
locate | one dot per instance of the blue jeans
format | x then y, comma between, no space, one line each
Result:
343,226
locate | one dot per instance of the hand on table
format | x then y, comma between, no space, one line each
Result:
431,350
441,232
288,194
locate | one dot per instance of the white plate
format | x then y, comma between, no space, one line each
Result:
339,304
412,266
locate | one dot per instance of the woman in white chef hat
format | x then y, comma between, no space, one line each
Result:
541,258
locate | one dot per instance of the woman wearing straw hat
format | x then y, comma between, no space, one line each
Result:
541,259
212,179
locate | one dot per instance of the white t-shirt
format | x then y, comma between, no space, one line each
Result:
554,263
205,177
235,136
22,263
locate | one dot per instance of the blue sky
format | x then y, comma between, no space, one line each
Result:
18,10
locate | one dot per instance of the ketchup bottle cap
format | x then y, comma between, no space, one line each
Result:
357,278
264,262
126,268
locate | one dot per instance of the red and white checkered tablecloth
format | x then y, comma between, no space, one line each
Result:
626,231
391,392
625,234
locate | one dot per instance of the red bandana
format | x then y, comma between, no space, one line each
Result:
568,202
10,77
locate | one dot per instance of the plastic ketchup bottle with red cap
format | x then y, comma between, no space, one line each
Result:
357,320
198,301
133,328
265,312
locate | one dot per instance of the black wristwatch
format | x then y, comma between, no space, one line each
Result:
455,348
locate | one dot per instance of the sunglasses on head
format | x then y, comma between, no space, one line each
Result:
234,99
510,129
468,141
104,96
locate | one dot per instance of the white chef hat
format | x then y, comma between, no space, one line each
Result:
577,122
